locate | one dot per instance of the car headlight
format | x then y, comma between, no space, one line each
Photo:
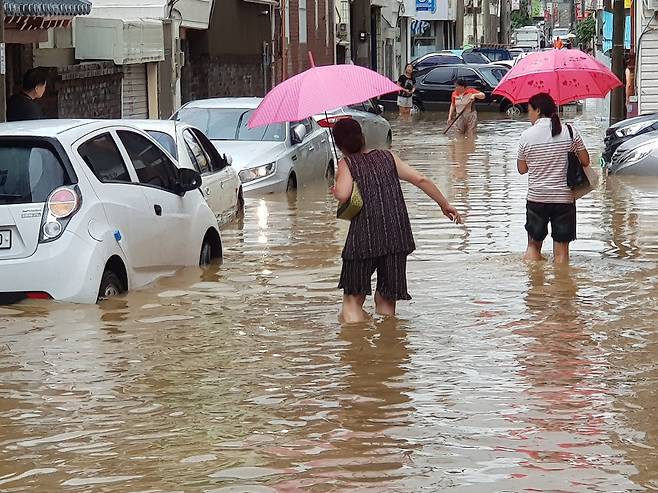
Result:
633,129
251,174
638,153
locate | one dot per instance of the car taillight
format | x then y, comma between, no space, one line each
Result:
37,295
61,206
62,203
331,121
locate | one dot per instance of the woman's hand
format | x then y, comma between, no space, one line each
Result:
453,214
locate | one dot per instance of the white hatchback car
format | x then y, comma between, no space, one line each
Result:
89,209
192,149
273,158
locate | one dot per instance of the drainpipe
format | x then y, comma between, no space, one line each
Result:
3,71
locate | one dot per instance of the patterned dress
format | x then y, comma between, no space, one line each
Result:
380,237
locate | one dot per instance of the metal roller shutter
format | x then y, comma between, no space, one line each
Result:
135,98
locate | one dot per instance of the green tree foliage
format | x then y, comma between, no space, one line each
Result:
585,31
521,17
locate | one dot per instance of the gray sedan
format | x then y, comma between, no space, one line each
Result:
637,156
376,128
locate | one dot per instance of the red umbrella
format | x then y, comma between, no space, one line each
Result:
567,75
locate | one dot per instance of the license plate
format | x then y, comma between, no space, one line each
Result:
5,239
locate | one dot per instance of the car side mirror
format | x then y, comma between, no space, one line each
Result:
380,109
188,180
229,159
298,134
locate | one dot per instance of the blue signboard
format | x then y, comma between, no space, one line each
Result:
426,6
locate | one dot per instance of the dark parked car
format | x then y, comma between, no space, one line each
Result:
625,130
434,90
494,54
425,63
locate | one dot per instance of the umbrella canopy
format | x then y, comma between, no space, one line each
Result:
317,90
567,75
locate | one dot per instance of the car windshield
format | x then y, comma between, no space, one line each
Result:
166,141
231,124
493,75
28,174
470,57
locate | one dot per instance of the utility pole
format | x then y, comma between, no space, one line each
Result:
617,99
486,21
474,11
459,27
505,22
3,70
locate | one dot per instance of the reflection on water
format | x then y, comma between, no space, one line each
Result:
499,376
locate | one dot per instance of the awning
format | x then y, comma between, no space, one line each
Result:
47,8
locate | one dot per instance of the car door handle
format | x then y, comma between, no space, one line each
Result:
207,191
311,148
158,209
323,141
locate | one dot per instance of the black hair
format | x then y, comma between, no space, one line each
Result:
349,136
461,82
547,107
34,77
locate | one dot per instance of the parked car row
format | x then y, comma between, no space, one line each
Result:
89,209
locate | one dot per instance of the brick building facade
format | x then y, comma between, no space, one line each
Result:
309,26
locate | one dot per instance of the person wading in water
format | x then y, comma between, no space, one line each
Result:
380,237
462,108
408,85
544,155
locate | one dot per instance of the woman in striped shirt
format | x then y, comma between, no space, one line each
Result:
543,155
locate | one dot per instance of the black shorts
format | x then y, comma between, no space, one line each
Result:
561,216
356,276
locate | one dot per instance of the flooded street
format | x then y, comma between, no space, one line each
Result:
498,376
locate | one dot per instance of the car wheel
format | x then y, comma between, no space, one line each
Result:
292,183
331,171
389,138
206,253
514,110
111,285
240,211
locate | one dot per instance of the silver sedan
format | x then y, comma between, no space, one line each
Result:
637,156
376,129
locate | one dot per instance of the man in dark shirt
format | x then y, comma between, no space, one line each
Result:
23,106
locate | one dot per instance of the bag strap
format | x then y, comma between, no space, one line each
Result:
570,131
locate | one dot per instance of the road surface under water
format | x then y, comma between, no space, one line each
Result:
498,376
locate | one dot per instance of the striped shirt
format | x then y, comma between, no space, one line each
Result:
547,160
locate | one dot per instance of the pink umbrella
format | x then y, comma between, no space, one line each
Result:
317,90
567,75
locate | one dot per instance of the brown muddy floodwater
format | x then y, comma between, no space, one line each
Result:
497,377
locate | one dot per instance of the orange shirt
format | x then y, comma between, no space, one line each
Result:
458,99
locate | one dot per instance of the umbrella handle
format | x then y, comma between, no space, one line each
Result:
331,131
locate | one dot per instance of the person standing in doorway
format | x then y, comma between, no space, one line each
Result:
407,85
629,75
24,106
544,155
380,236
462,108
